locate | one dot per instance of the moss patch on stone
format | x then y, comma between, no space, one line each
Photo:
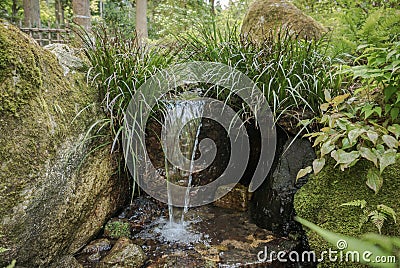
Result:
319,201
47,207
266,16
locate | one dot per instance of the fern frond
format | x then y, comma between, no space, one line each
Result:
355,203
377,218
387,211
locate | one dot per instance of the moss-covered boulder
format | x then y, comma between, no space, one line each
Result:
54,195
320,198
265,16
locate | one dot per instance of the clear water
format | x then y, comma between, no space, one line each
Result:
184,115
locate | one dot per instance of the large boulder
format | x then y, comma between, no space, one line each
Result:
54,194
320,198
272,204
265,16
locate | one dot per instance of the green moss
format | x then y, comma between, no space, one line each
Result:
20,76
273,15
319,202
117,229
37,108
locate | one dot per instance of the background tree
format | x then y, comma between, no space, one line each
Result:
31,13
81,10
141,21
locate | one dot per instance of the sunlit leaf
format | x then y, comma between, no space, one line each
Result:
374,179
395,129
354,134
318,164
372,136
303,172
326,148
387,158
340,99
368,154
390,141
343,157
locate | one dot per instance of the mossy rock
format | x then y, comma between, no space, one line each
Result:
266,16
320,198
54,196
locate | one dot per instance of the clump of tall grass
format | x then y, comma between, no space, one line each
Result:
292,73
119,66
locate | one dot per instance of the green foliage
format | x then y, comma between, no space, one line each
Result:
356,22
378,69
347,139
117,229
377,216
378,245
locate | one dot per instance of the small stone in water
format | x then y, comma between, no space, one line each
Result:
124,254
237,198
95,257
97,245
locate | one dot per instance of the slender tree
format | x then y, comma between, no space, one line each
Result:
81,10
141,21
59,12
31,13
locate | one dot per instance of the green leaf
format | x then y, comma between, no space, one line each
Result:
323,137
303,172
395,129
340,99
374,180
369,155
388,92
387,158
390,141
354,134
394,113
326,148
318,164
377,219
388,211
327,95
372,136
324,106
352,244
343,157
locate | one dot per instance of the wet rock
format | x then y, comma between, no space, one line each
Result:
279,15
272,204
95,257
124,254
54,194
97,245
66,262
237,198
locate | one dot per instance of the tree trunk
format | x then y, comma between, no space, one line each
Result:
14,10
81,10
141,21
31,13
59,8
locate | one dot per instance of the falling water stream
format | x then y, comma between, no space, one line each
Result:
183,117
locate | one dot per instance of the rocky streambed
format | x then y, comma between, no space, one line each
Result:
211,236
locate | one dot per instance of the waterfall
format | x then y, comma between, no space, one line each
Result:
182,119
